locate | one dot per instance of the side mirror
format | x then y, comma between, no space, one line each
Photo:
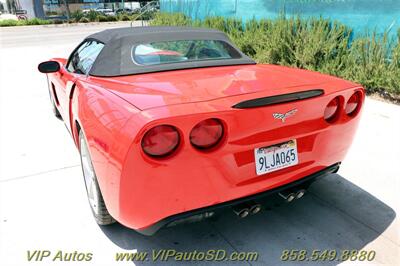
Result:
49,67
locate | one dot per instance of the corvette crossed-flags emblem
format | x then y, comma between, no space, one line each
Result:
284,116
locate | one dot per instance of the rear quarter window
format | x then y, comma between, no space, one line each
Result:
164,52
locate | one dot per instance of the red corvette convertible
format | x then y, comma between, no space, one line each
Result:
175,123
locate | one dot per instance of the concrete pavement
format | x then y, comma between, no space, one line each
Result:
43,203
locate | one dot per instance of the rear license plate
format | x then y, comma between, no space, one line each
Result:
275,157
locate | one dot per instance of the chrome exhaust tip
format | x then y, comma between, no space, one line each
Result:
300,193
243,213
255,209
241,210
288,197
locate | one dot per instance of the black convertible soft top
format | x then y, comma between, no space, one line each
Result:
115,59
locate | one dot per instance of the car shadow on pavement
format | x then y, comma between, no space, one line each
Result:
334,215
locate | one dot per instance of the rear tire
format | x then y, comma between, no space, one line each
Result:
96,201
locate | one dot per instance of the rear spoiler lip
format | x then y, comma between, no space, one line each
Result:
277,99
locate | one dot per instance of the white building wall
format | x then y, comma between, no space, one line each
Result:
28,6
4,6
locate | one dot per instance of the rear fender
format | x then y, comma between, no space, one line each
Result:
102,116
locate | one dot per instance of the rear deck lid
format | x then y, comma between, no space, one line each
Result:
153,90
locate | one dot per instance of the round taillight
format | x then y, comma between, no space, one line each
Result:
332,110
207,133
353,104
160,141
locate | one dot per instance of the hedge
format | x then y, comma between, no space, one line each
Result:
313,43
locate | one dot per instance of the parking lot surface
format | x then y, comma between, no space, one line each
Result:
43,204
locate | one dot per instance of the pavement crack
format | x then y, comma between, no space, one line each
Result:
39,173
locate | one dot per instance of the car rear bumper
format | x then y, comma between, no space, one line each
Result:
202,212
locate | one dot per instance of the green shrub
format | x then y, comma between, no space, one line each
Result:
112,18
374,61
92,15
121,14
148,15
124,17
102,18
84,20
35,21
395,66
314,43
77,15
174,19
8,23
